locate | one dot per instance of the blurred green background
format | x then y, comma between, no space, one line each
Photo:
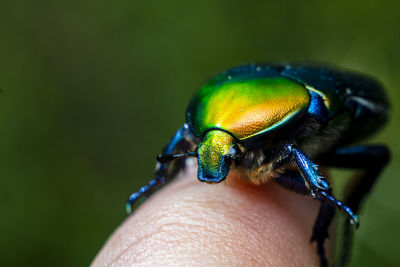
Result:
92,90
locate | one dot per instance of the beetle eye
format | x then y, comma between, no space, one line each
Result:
234,153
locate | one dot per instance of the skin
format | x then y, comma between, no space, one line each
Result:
189,223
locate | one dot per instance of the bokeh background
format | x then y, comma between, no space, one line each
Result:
92,90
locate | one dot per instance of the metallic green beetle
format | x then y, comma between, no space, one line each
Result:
264,119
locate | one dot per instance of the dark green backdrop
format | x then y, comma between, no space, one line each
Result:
91,90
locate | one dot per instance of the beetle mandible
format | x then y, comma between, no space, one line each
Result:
262,119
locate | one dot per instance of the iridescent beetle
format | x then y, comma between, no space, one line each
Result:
277,122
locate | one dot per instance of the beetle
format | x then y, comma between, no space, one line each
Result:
279,122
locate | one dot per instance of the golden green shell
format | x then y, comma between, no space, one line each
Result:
246,107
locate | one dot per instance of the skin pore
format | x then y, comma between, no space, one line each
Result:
233,223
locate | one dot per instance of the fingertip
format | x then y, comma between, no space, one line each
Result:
193,223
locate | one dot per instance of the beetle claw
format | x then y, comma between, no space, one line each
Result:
321,185
355,221
313,194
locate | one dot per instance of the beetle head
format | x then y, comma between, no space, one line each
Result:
215,155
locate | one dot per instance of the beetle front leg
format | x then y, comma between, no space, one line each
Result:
309,170
316,183
164,173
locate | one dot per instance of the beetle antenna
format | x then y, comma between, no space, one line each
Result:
164,158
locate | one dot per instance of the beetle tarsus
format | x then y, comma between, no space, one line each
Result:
353,218
143,193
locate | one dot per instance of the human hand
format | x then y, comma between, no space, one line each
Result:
189,223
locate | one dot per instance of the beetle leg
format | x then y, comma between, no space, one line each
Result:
321,229
164,173
353,218
373,159
315,182
308,169
293,181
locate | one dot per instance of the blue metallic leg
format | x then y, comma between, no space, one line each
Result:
293,181
164,173
315,182
310,182
372,159
352,217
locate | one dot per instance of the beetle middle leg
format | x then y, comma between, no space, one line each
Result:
316,183
165,171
